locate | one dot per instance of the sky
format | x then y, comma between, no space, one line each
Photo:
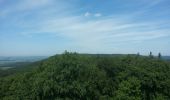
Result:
48,27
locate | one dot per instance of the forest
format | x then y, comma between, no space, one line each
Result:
74,76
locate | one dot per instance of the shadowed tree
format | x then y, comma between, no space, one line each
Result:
150,55
159,55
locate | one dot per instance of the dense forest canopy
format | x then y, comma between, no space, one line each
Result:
85,77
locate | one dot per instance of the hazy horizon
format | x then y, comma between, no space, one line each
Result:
154,54
49,27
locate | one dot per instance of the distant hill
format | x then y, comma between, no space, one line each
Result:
73,76
15,59
166,57
22,58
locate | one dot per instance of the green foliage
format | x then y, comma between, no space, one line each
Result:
73,76
129,90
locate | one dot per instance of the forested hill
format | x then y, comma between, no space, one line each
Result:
83,77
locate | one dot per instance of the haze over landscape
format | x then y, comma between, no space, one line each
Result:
47,27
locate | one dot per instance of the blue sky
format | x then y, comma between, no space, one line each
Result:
48,27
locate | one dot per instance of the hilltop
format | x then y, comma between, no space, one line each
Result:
83,77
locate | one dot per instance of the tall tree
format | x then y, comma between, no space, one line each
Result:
159,55
150,55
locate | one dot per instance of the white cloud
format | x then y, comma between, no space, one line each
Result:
87,14
97,14
94,33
